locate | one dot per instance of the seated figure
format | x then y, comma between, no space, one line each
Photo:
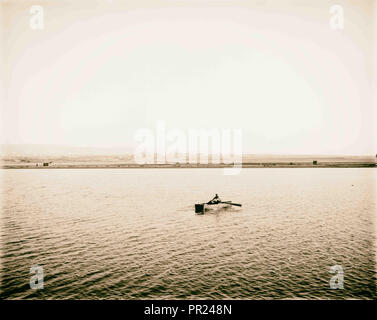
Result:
215,200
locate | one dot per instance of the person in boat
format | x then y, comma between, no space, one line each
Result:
215,200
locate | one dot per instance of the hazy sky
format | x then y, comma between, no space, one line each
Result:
99,70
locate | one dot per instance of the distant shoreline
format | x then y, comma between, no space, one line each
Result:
193,166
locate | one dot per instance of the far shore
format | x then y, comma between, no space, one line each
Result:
186,166
127,161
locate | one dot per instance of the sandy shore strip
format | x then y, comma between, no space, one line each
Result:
166,166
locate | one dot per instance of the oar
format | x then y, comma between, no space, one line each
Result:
233,204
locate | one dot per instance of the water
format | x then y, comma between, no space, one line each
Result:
133,234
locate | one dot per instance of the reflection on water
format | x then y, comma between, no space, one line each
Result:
133,234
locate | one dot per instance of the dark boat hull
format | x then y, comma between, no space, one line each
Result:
201,208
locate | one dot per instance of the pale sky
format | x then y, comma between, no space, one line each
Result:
99,70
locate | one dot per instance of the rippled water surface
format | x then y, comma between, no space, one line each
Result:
133,234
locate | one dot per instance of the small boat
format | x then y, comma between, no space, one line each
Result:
214,205
200,208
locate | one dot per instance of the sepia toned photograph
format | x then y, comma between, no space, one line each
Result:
194,150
